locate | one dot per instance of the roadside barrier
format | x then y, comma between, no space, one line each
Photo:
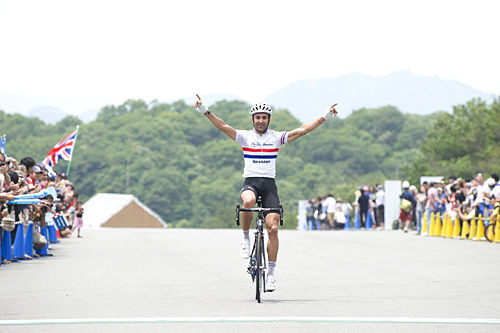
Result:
474,229
19,241
28,240
43,252
7,246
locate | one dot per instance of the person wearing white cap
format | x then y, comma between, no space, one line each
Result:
407,206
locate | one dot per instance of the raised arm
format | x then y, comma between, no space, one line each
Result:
219,123
304,129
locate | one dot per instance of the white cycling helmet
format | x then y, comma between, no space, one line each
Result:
261,108
406,184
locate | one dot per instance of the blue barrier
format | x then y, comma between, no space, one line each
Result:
43,252
357,223
368,220
19,242
7,246
347,225
52,234
28,240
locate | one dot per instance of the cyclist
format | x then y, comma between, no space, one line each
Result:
260,149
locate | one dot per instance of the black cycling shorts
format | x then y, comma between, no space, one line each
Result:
266,188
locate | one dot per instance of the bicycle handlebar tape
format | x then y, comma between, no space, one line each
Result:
237,214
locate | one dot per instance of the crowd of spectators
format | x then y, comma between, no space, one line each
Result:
456,197
56,194
329,212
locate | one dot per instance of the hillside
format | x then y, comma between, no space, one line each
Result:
409,92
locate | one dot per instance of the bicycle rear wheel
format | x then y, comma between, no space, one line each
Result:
258,282
489,232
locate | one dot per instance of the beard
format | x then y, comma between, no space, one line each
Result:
261,129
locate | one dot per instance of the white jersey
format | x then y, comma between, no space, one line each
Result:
260,152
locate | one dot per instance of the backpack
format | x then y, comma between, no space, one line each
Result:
405,205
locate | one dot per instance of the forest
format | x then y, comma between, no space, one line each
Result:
177,163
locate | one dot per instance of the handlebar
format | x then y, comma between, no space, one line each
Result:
258,210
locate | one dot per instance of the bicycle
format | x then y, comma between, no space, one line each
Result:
258,264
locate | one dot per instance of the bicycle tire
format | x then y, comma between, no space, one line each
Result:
487,232
258,254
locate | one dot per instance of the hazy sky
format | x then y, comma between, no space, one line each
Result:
77,55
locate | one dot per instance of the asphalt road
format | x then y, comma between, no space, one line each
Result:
194,280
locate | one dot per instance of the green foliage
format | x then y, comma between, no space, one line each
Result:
187,171
462,143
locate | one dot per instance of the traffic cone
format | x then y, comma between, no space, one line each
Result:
43,252
357,223
497,230
368,220
456,228
424,224
480,230
444,229
7,246
432,224
19,242
347,225
28,240
52,234
472,232
449,231
465,229
437,228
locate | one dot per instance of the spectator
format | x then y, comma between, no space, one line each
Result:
407,204
430,204
329,204
379,201
364,205
78,218
420,198
347,209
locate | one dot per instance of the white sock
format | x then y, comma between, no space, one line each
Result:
270,268
246,235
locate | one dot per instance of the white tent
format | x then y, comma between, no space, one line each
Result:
119,210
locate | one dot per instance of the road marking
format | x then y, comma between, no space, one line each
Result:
181,320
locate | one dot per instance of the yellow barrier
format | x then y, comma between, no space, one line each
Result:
437,227
424,224
449,230
456,228
432,225
472,232
480,229
444,228
465,229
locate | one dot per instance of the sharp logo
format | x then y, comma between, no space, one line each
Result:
259,161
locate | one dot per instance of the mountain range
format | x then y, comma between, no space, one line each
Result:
307,99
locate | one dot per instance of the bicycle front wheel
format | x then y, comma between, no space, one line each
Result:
258,282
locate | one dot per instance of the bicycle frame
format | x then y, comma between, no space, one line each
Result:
258,263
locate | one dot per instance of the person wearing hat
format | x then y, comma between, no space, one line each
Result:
364,205
407,206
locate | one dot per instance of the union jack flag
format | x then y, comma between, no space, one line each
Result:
62,150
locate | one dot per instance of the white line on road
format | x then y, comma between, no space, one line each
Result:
179,320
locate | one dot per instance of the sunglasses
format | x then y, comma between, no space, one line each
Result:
2,164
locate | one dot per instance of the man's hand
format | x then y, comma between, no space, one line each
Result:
199,106
331,112
6,197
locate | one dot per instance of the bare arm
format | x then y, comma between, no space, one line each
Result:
219,123
304,129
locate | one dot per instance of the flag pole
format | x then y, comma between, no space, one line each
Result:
72,150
